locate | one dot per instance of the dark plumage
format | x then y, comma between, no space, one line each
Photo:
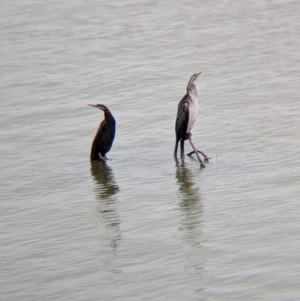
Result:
105,135
181,124
187,114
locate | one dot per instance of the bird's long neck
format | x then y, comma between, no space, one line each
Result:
109,117
193,89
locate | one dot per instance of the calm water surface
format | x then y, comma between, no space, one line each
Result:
144,226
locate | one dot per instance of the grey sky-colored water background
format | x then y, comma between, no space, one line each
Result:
144,226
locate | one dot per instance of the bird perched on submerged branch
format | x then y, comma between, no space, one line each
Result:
187,114
105,135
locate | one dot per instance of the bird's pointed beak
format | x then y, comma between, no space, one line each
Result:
95,106
198,74
193,78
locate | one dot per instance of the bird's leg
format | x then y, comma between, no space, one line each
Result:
182,148
103,158
206,159
176,147
100,157
195,150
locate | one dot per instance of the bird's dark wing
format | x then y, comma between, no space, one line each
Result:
96,145
182,118
107,138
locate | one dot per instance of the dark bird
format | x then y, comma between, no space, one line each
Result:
105,135
187,114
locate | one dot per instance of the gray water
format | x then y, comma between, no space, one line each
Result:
144,226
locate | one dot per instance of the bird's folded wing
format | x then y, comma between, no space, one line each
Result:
182,118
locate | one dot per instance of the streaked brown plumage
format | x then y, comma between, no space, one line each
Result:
187,114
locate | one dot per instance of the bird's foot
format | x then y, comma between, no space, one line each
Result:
206,159
106,159
202,165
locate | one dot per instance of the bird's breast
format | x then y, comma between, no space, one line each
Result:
193,114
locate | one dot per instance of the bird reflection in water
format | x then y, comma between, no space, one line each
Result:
190,203
106,189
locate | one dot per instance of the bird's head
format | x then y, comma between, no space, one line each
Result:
194,77
100,106
191,87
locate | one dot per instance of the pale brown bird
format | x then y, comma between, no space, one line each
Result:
187,113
